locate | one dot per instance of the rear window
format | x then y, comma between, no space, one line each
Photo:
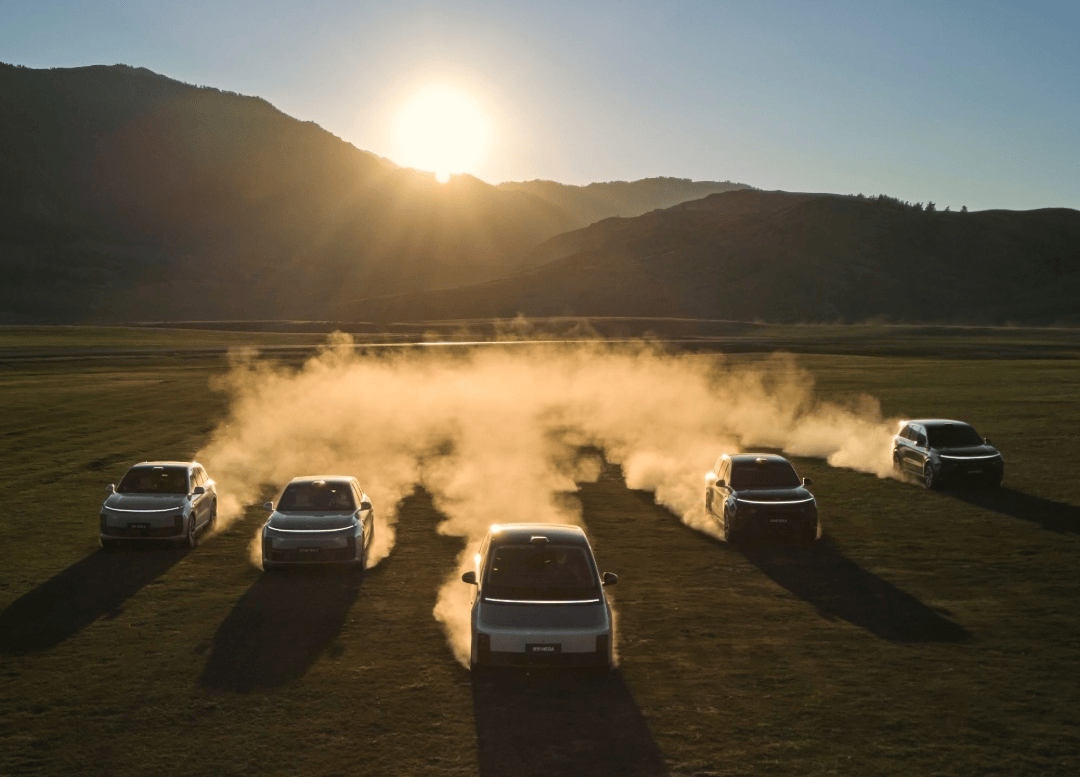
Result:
316,496
768,474
540,573
154,480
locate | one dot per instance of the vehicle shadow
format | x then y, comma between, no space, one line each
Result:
1050,515
280,627
93,588
546,722
839,588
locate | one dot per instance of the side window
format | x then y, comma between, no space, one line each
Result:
920,438
906,432
200,477
725,472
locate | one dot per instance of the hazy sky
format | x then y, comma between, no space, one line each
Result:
963,103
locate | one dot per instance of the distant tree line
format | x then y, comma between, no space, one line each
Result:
896,202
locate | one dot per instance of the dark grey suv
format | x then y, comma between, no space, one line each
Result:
760,496
937,450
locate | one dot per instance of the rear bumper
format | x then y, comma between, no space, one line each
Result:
558,660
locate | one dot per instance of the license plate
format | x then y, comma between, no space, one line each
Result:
308,551
543,650
138,526
975,470
778,520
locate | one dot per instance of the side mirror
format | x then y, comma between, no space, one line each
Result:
198,491
610,578
365,505
269,506
807,482
111,488
987,441
469,577
721,483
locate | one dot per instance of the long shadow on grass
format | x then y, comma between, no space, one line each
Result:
280,627
840,588
93,588
1050,515
548,723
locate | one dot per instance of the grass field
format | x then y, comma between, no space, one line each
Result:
929,633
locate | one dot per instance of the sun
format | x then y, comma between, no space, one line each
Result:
442,129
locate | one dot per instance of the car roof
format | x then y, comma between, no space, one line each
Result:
524,532
755,458
166,464
327,478
933,422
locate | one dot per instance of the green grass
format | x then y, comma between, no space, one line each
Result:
930,633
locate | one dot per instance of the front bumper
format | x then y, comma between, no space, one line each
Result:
310,550
778,524
960,470
134,526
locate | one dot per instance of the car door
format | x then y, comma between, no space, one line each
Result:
361,497
920,450
200,507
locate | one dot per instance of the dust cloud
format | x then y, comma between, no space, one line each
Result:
495,434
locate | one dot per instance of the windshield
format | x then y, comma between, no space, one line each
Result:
953,436
540,573
154,480
316,496
768,474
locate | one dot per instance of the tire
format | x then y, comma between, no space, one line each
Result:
212,523
728,534
930,476
191,539
898,468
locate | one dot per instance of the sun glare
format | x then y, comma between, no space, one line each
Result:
443,130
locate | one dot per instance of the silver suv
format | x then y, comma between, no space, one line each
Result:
159,500
938,450
539,599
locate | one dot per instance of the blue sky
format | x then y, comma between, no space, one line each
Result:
962,103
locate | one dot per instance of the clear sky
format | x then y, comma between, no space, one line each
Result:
962,102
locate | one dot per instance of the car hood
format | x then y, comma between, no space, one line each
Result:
147,502
972,450
543,616
797,494
313,521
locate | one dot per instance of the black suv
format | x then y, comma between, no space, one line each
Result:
938,451
760,496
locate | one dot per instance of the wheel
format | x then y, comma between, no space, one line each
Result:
192,538
896,465
729,535
212,523
929,475
708,502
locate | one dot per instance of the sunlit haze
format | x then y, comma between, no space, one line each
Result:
442,129
962,103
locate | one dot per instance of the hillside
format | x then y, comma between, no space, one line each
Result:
786,257
125,194
597,201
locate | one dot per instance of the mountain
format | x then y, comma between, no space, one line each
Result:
127,195
597,201
789,257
